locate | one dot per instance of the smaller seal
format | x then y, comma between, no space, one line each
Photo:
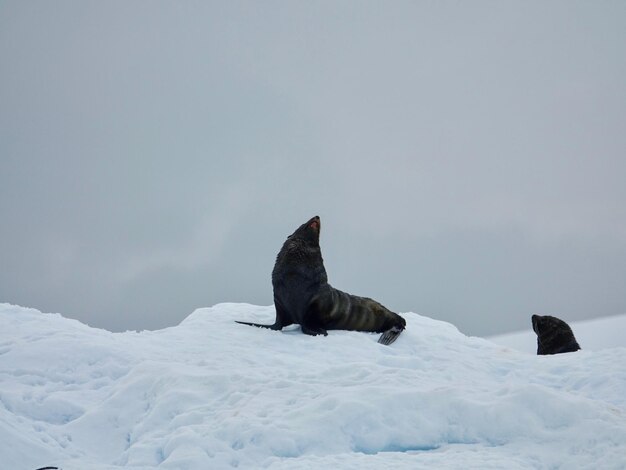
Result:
554,336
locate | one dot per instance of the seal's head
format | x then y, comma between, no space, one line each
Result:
553,335
545,323
308,231
300,258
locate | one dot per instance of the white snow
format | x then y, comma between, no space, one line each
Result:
210,393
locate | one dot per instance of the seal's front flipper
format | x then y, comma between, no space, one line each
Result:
390,335
313,331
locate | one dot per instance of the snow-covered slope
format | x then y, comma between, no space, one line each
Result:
592,335
210,393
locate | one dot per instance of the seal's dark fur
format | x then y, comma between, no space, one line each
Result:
303,296
554,336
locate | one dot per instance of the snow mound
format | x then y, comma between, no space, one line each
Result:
210,393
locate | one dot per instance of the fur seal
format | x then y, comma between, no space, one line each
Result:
554,336
303,296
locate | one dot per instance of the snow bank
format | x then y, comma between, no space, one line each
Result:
210,393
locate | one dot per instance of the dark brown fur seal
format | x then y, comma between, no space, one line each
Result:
554,336
303,296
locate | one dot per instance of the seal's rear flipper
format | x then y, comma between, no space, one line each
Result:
271,327
390,335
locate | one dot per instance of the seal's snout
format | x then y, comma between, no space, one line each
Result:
314,223
535,322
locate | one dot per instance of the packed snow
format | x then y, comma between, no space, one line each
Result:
210,393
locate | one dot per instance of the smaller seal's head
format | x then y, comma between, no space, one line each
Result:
553,335
308,231
545,323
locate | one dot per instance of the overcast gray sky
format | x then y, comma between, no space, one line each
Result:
467,159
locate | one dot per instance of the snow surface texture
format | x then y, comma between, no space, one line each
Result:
210,393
